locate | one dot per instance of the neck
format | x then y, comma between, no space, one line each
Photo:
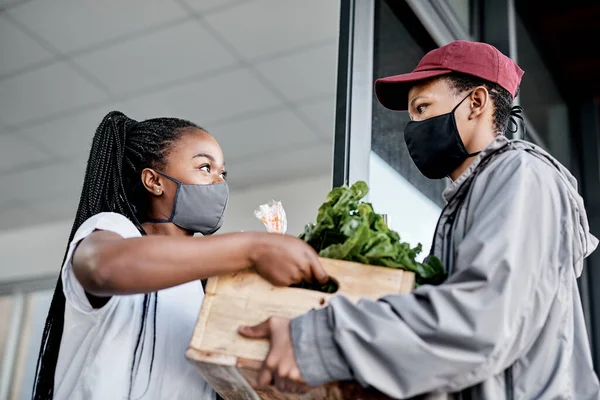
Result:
164,229
463,167
478,144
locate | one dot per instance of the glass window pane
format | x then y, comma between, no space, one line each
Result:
397,52
397,188
31,336
410,213
5,315
541,100
462,10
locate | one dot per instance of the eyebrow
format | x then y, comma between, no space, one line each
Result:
206,155
412,102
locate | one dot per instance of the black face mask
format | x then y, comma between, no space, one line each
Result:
435,145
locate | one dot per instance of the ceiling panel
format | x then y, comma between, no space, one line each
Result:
64,205
181,51
263,27
270,133
202,6
162,62
89,22
43,92
53,180
322,113
304,74
10,3
208,100
301,162
18,50
16,152
72,136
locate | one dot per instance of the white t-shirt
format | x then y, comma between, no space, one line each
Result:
97,347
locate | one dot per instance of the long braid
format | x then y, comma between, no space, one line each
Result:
120,150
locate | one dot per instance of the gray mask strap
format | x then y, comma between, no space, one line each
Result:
162,221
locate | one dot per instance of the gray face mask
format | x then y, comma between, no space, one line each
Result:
198,208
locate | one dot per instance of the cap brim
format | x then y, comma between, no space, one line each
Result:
392,91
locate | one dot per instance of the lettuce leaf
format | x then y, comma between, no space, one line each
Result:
348,229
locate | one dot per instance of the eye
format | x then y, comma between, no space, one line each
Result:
205,168
421,108
224,175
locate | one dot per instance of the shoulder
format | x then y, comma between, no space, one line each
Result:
517,176
107,221
72,288
520,165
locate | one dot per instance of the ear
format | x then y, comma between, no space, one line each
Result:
152,181
480,101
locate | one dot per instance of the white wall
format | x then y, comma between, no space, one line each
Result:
413,215
301,200
38,250
33,251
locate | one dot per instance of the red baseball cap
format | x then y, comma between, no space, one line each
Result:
472,58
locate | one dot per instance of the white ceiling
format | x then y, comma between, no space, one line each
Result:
260,75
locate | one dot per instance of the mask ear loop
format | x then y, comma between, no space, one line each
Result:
453,111
462,101
515,114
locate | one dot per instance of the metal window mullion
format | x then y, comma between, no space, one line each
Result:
27,285
432,21
11,344
352,146
512,30
341,140
362,91
590,172
450,19
532,134
512,53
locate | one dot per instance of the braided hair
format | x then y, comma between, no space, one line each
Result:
121,149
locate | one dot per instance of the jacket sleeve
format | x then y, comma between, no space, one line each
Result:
472,327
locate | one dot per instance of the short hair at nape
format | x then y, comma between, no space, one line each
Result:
501,98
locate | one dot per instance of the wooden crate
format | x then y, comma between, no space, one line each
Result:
229,361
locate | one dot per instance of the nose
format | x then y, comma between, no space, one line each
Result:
217,178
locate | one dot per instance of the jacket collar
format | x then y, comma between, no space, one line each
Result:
499,142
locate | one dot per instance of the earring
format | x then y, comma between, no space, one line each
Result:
157,190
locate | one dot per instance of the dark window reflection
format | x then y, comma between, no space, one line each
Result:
400,43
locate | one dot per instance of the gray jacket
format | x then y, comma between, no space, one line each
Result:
508,322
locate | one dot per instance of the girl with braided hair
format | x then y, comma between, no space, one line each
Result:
129,290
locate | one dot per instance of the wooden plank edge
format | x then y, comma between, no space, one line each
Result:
210,357
408,282
246,363
226,380
198,335
211,285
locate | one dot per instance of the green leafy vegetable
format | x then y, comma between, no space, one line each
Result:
348,229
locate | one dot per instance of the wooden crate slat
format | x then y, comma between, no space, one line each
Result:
228,361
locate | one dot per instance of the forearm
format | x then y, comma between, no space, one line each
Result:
152,263
373,344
